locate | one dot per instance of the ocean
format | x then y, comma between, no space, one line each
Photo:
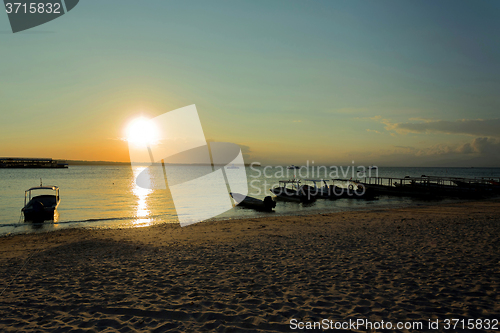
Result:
108,197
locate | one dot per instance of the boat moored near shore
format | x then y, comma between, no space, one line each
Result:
41,207
267,204
293,190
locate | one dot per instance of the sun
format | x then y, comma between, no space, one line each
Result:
142,132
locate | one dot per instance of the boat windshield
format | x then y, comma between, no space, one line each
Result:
41,191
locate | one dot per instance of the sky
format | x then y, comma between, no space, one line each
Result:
387,83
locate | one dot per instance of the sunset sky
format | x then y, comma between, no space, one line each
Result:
389,83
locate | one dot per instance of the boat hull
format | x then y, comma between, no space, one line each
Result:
245,201
359,191
292,194
31,215
41,208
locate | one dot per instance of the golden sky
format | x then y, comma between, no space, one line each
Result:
381,83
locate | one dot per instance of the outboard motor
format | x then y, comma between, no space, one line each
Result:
269,203
38,210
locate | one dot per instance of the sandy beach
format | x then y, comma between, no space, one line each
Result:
273,274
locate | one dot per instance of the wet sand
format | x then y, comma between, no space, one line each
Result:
256,275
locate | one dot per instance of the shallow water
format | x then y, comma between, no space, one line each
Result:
107,196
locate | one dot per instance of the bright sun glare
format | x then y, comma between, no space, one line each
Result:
142,131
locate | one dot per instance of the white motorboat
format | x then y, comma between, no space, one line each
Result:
41,207
295,191
322,192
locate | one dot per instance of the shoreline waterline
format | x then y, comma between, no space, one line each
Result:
267,216
150,221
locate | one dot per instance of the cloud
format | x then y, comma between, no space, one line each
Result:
486,146
244,149
480,152
483,150
477,152
439,149
473,127
478,147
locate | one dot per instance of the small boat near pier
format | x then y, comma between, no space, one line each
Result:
320,192
267,204
350,189
293,190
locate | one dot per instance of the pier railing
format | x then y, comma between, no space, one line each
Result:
430,185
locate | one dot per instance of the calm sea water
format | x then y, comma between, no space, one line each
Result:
107,196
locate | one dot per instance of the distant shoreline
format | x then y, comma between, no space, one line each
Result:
81,162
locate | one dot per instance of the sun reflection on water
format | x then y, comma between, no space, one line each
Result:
142,212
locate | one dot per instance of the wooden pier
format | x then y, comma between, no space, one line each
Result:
431,186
